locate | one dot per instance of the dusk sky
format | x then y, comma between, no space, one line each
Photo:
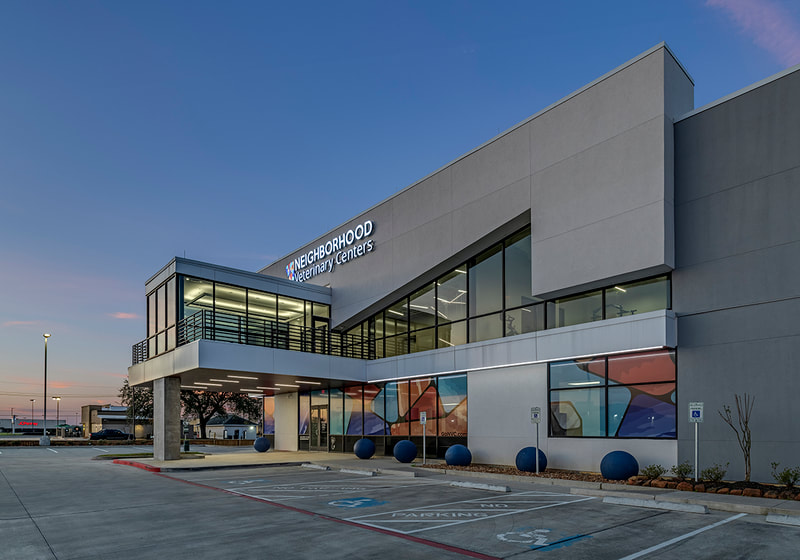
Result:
235,132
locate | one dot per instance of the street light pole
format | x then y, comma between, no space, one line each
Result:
13,422
32,401
58,405
45,440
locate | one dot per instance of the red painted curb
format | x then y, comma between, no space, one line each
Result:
137,465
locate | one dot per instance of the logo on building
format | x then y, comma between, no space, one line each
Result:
341,249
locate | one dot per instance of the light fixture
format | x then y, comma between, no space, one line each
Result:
582,383
286,385
213,384
623,290
269,388
224,380
395,312
309,382
241,377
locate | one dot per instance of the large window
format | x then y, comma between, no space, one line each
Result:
628,395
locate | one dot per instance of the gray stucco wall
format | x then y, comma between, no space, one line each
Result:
736,291
592,173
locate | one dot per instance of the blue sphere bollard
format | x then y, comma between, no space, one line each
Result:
619,465
405,451
526,459
261,445
364,448
458,456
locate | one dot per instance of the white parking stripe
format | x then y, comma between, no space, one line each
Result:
51,449
682,537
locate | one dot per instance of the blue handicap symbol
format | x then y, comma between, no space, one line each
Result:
356,503
695,414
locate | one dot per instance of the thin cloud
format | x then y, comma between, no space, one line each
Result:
121,315
769,25
19,323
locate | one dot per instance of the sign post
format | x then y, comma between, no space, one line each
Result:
423,419
695,417
536,418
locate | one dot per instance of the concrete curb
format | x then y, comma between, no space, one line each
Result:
655,504
395,472
315,466
358,471
783,519
480,486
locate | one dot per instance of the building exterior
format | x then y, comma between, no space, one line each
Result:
609,260
230,426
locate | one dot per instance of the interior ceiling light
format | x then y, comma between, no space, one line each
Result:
269,388
582,383
309,382
286,385
241,377
623,290
214,384
224,380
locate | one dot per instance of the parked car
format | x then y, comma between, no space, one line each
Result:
110,433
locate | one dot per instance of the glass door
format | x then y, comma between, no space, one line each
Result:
319,428
319,334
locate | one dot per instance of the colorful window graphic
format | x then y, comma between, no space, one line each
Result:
269,416
631,396
395,408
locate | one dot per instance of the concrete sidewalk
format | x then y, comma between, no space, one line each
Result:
220,459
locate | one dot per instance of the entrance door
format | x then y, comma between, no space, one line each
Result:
319,428
319,334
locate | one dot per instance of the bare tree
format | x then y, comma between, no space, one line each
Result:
741,425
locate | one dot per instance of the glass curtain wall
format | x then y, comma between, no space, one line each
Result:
161,335
389,412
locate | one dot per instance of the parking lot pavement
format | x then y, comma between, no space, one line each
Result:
68,506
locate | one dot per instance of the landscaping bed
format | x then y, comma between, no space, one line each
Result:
738,488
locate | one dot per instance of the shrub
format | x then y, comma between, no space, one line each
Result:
682,471
653,471
788,476
714,473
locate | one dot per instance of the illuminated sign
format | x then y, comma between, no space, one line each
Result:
20,423
338,250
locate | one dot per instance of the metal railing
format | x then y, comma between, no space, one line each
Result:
253,331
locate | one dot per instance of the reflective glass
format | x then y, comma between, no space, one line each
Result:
451,298
525,319
304,413
423,398
291,310
452,391
396,318
637,297
353,410
374,410
574,310
578,373
151,315
518,269
422,340
336,412
322,310
422,308
645,367
230,300
161,312
197,295
578,412
396,345
486,328
171,302
262,305
642,410
486,282
452,334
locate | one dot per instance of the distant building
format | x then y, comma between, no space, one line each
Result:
99,417
230,426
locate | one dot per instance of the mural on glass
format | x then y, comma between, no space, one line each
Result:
269,416
631,395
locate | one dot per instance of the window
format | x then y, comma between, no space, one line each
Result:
629,395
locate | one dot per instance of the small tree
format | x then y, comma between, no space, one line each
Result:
741,426
139,401
203,405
